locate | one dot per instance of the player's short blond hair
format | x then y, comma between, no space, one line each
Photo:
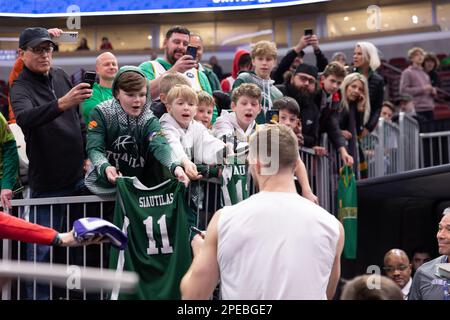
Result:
270,138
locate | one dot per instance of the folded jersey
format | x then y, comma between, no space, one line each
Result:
87,228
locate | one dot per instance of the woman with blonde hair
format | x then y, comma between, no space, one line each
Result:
355,114
366,61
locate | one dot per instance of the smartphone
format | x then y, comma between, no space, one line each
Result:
192,51
272,116
197,231
308,32
89,77
69,37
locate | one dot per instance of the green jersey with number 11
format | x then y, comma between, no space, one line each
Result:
158,237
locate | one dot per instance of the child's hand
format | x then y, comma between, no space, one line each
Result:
181,176
191,169
308,194
112,174
320,151
346,134
300,138
298,133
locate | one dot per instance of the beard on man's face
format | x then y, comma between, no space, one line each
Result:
171,57
300,92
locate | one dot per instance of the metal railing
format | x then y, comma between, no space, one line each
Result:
434,148
391,147
72,209
396,143
408,143
203,196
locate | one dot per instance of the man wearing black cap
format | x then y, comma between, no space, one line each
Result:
46,108
302,87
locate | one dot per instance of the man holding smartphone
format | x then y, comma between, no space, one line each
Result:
46,108
308,39
175,59
106,67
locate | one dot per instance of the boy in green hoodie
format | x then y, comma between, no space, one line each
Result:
125,138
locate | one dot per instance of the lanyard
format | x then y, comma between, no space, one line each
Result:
446,285
446,294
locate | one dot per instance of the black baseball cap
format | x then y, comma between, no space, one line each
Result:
308,69
31,37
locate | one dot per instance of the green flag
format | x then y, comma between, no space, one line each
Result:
348,210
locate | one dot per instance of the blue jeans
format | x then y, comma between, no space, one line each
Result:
41,215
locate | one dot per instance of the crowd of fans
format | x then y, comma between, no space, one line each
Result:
174,117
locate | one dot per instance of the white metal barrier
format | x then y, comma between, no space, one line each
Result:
392,147
408,142
434,148
321,173
84,206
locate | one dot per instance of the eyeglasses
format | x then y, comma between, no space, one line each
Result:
306,79
41,50
400,267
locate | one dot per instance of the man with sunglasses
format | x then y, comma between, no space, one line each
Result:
397,267
46,108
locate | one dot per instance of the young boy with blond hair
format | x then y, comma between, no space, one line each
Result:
289,115
189,139
205,108
264,58
168,81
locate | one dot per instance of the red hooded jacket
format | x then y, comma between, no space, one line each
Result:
227,83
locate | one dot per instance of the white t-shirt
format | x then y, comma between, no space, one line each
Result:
276,245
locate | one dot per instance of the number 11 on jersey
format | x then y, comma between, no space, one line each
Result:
166,247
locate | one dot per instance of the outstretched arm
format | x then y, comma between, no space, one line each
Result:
203,275
302,176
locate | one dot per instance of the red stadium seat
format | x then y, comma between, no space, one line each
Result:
441,56
441,111
399,62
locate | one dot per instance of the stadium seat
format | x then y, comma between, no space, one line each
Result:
399,62
441,56
441,111
444,76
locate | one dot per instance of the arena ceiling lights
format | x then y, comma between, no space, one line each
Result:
65,8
